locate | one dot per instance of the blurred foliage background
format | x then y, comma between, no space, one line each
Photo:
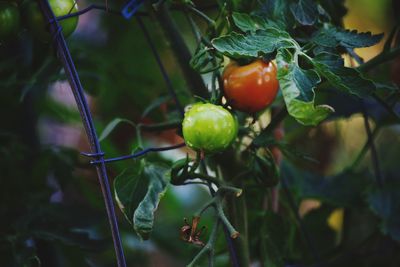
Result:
51,209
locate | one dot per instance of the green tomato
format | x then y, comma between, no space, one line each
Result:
35,21
9,20
209,128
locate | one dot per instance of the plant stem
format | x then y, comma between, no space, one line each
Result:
364,150
209,247
275,122
199,13
180,50
386,106
161,66
379,59
374,153
207,178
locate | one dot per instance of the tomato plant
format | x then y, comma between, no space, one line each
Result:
250,88
209,128
242,178
9,20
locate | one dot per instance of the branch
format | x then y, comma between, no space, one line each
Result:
180,50
206,177
209,247
364,149
360,61
379,59
275,121
374,154
161,66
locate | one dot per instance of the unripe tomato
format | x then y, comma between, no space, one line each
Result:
252,87
35,21
9,20
209,128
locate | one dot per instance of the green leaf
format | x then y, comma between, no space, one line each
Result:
256,44
130,188
297,86
204,61
305,12
385,203
333,37
336,10
111,126
274,10
348,80
248,23
260,43
143,218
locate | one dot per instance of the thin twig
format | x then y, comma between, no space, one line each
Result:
370,135
275,122
364,149
371,143
209,247
161,66
379,59
199,13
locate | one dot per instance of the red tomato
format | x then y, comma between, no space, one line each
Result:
252,87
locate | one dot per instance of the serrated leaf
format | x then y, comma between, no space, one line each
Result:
204,62
385,203
143,218
348,80
273,9
256,44
248,23
111,126
305,12
333,37
130,188
297,86
336,10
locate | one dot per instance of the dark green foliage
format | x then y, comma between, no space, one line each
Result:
51,207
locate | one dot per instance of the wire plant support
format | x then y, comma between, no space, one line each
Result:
96,154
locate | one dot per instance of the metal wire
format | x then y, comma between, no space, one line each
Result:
140,153
77,89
